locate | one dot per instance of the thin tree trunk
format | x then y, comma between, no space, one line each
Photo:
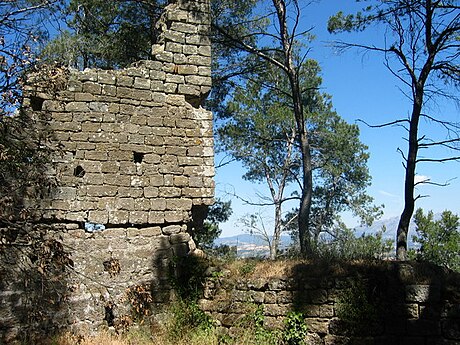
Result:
307,176
306,245
276,232
409,184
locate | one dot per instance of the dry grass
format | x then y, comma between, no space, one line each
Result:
103,338
142,337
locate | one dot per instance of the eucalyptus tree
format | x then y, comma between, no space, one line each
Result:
422,50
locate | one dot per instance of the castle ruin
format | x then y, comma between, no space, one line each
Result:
134,164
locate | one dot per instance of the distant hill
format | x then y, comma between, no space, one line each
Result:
253,245
391,225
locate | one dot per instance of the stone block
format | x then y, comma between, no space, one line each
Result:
184,28
151,192
175,78
175,217
91,87
66,193
174,36
204,50
124,80
173,47
179,204
199,60
423,293
277,309
110,167
98,217
158,204
182,237
138,217
164,56
142,204
169,192
156,217
77,107
171,229
198,80
141,83
181,181
99,107
101,191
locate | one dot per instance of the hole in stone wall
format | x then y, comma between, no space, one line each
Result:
36,103
79,171
194,101
109,315
138,157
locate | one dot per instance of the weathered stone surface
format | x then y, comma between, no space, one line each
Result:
398,313
128,136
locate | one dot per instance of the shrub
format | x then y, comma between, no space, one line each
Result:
439,240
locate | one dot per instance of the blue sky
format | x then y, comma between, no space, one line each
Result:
361,88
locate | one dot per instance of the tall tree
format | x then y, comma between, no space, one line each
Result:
272,35
258,129
422,50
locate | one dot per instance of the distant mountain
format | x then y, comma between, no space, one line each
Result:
391,225
253,245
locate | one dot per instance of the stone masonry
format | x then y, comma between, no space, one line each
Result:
134,164
350,303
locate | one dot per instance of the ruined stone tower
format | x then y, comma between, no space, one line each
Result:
134,164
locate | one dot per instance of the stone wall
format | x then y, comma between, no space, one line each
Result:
381,303
133,162
136,147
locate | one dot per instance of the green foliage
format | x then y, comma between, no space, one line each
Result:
254,331
186,276
358,304
341,243
259,130
295,329
188,318
219,212
105,34
439,239
247,267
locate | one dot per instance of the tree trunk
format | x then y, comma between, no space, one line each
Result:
307,177
306,245
276,233
409,183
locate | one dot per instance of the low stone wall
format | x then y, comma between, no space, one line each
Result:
385,303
